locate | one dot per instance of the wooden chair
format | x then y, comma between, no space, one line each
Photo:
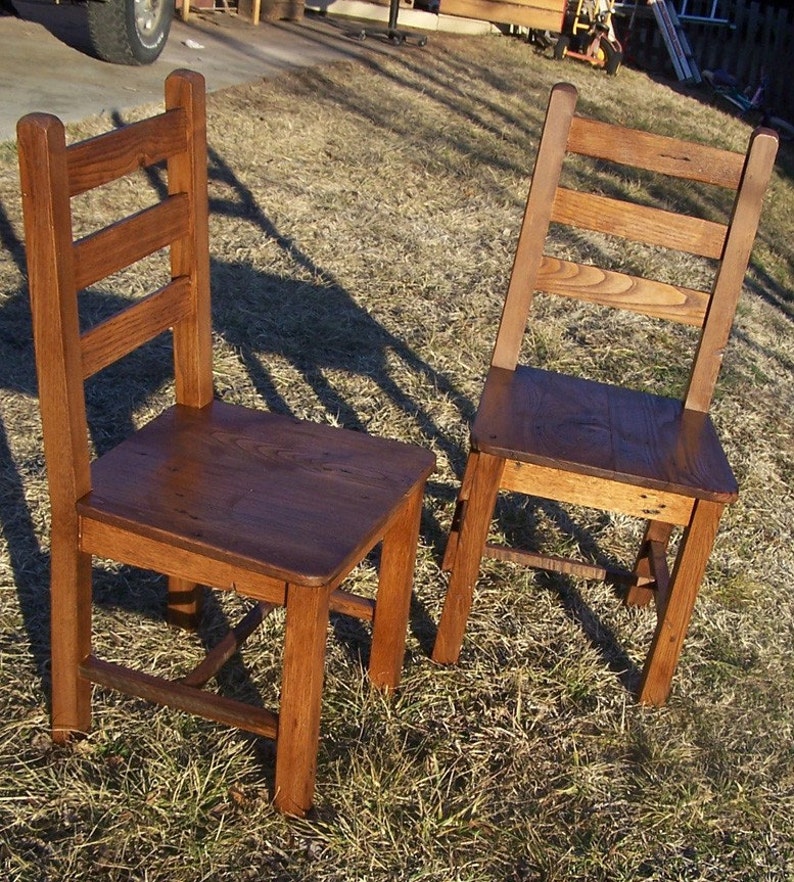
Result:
208,493
574,440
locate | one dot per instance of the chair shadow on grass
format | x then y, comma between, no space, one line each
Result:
520,522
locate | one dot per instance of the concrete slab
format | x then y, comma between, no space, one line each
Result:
44,65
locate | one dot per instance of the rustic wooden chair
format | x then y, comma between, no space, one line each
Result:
207,493
574,440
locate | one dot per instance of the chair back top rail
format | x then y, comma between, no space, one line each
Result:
656,153
115,154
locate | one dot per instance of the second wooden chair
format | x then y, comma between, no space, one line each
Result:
598,444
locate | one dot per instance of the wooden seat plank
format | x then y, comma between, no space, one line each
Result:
203,479
603,430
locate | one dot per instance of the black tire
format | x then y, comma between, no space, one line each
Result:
129,31
561,47
613,58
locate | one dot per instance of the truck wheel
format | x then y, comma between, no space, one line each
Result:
612,58
561,46
129,31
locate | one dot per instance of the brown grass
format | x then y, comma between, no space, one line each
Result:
363,221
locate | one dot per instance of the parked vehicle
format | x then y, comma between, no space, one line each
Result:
587,35
129,31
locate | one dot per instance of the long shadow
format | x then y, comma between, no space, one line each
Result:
520,521
316,326
320,330
456,147
29,563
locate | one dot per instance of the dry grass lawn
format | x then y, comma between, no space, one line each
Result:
359,255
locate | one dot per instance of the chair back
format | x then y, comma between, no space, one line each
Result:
574,201
60,265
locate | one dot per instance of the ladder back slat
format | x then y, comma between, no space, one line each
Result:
610,288
113,155
639,223
658,153
119,335
108,250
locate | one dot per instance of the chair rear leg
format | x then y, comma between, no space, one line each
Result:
655,531
301,697
390,623
475,520
185,602
673,618
460,504
70,611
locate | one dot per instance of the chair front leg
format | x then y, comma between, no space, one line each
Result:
70,629
298,734
673,618
393,603
475,519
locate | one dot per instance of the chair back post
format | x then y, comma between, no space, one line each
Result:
50,258
729,279
535,225
187,173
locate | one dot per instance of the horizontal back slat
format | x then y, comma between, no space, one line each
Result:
112,155
119,335
620,290
127,241
658,153
640,223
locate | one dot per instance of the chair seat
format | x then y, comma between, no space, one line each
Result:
204,479
593,428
